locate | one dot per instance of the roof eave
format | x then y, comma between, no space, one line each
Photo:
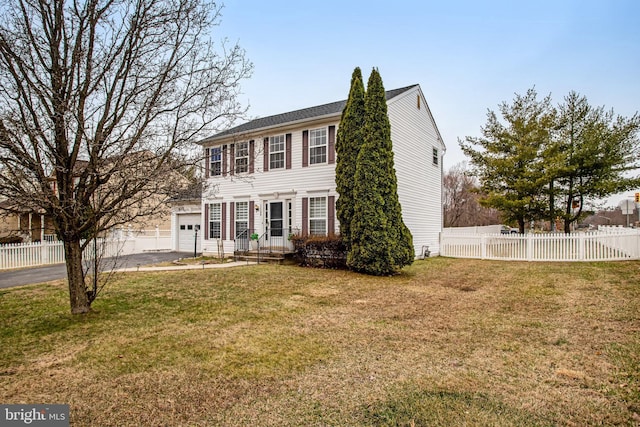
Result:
294,123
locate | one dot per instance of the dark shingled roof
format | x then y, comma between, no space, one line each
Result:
192,192
294,116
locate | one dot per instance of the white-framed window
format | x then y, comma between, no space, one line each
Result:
276,152
317,146
435,156
215,161
242,157
242,219
215,220
318,215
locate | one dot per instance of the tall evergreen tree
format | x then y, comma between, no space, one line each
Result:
597,152
508,158
541,162
348,142
381,242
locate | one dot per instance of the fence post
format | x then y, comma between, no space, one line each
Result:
44,252
529,238
483,246
581,247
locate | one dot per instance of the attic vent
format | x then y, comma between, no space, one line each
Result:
418,97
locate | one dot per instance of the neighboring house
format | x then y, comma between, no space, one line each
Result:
275,176
31,224
18,224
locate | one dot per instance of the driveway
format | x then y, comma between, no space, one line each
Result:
27,276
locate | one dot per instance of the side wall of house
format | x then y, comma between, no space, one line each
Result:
414,137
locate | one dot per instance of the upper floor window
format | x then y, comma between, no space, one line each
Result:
215,161
318,215
435,156
317,146
276,152
242,157
215,220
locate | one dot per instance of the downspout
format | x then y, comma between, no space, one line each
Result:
444,151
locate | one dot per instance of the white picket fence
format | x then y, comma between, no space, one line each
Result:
606,245
21,255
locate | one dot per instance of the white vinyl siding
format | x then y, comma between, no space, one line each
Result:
414,138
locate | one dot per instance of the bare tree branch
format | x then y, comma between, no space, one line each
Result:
97,101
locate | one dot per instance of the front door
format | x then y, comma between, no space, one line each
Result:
275,219
278,218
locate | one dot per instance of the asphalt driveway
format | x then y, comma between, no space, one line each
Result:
27,276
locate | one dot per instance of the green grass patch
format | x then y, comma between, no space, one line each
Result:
410,407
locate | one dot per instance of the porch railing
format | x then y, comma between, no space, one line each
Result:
273,240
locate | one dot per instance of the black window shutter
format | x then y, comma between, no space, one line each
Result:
305,148
288,150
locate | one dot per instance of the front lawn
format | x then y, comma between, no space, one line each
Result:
447,342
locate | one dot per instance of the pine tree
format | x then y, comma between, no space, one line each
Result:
381,242
596,151
509,161
349,140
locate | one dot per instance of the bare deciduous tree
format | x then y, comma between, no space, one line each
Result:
461,200
98,98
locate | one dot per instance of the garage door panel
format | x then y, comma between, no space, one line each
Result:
187,226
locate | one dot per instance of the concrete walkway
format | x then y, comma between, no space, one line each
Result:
128,263
187,267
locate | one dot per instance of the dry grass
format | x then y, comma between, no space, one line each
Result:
447,342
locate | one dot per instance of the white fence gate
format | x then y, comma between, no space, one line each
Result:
608,245
21,255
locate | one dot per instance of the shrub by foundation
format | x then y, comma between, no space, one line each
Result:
320,251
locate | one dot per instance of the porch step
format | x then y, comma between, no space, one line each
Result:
264,257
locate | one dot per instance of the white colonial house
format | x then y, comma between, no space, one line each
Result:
275,176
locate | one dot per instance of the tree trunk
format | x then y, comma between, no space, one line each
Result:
78,297
567,217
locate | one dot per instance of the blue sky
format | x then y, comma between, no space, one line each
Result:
468,56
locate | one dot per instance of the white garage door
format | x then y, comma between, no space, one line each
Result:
187,226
